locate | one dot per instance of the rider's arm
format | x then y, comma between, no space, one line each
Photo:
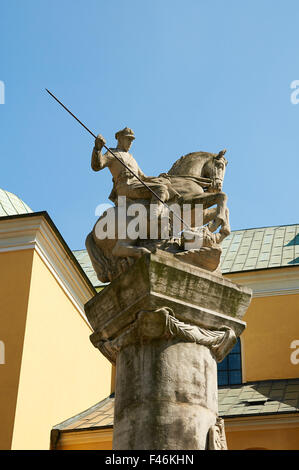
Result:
98,160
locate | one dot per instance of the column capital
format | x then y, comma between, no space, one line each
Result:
161,323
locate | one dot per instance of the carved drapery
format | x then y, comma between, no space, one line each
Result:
161,323
216,436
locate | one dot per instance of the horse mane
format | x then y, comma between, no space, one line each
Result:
191,164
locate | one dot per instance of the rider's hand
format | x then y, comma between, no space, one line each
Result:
100,142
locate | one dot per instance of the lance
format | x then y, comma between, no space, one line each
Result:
120,161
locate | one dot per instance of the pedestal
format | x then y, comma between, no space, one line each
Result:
165,324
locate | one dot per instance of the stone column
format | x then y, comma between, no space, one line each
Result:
165,324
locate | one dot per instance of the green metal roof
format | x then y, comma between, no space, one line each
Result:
259,398
243,250
84,261
10,204
260,248
266,397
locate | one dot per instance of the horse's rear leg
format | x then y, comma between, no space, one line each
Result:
124,249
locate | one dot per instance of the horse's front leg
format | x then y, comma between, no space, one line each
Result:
225,229
220,217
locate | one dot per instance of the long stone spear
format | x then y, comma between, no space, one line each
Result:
120,161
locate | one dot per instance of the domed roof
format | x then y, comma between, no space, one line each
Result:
10,204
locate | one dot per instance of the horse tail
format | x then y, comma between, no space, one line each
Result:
97,258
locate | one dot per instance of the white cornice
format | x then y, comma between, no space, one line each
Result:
284,281
274,421
35,232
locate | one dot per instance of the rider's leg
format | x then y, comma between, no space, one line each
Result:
157,205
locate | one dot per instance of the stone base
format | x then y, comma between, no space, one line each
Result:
165,323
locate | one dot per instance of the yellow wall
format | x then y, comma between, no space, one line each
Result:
272,324
261,436
15,275
62,373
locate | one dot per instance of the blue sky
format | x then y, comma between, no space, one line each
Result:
186,76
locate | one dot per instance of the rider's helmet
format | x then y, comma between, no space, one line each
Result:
127,132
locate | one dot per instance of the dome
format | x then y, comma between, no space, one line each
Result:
10,204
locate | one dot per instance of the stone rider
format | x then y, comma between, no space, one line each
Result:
124,182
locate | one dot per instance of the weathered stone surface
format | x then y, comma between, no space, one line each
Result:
165,324
166,396
158,280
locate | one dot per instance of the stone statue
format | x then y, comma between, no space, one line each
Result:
216,436
195,179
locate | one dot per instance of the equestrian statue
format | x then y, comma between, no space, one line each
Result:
194,181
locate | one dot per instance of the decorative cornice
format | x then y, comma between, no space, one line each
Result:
34,232
265,283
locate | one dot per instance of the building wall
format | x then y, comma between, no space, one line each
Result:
248,435
263,432
15,277
272,325
62,373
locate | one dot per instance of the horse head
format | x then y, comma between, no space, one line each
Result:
202,164
214,169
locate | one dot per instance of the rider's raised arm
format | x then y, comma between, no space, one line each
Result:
98,160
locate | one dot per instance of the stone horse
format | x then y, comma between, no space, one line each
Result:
198,178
